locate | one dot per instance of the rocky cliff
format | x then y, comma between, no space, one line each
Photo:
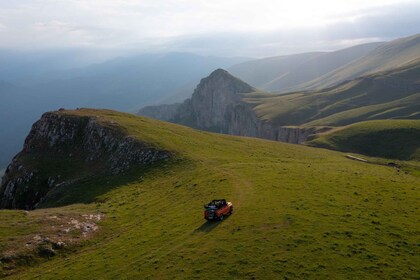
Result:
62,149
215,98
164,112
211,106
244,122
218,105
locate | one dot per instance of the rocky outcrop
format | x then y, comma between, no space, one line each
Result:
298,135
61,149
215,98
244,122
164,112
211,107
217,105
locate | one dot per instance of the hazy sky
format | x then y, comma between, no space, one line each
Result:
219,27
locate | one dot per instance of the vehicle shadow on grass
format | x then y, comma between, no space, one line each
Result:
208,226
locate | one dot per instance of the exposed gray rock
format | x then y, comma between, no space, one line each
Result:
165,112
217,105
95,143
215,98
58,245
298,135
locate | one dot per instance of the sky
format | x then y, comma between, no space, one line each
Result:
253,28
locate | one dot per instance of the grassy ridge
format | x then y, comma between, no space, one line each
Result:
405,108
384,95
288,73
300,212
394,54
399,139
312,71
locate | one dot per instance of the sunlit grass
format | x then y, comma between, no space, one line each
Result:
300,212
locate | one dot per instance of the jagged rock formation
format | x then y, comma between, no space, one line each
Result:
214,100
217,105
211,106
62,149
162,112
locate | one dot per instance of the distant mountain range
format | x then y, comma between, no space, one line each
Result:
224,103
129,83
388,56
321,70
283,73
383,95
124,84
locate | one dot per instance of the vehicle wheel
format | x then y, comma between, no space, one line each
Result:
221,217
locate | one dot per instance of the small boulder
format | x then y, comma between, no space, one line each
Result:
58,245
46,251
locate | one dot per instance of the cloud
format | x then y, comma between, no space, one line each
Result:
372,25
227,27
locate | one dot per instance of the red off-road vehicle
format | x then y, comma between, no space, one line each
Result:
217,209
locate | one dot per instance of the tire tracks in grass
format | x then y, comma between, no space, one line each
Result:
241,188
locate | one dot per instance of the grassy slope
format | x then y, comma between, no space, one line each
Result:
383,95
287,73
300,212
394,54
19,230
386,138
317,67
404,108
260,72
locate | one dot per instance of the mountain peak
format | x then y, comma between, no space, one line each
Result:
221,78
210,105
214,98
220,72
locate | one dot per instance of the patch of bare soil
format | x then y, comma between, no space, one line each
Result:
56,234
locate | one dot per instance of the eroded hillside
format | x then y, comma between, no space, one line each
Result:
64,149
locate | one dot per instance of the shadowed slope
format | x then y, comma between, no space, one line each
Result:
399,139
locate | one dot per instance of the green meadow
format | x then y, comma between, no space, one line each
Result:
300,212
392,139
